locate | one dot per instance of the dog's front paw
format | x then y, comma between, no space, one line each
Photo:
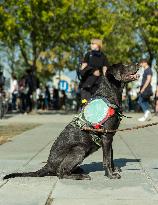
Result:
117,169
114,175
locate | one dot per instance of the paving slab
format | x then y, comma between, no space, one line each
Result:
102,201
27,191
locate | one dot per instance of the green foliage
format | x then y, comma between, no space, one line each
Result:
146,20
135,32
50,35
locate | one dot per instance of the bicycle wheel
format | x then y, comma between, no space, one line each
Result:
5,106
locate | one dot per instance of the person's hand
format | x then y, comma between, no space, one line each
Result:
96,73
83,66
141,91
104,70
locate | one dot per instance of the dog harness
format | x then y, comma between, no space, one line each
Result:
94,113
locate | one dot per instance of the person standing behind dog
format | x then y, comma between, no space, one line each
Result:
145,90
31,83
93,66
14,91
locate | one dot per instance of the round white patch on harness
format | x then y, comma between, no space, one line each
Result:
96,110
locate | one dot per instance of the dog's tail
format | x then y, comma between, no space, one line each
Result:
44,171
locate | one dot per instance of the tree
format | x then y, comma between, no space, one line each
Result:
135,32
36,26
146,21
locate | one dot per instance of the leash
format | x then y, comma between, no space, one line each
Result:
103,130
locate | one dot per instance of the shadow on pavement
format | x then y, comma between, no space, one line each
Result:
98,166
122,162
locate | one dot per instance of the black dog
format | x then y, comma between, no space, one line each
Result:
73,144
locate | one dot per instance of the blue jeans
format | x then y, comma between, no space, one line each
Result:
143,103
14,98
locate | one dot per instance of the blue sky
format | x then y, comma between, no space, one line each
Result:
71,74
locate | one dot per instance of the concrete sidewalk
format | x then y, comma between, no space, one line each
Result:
135,151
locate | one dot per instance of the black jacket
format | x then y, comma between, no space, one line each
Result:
95,60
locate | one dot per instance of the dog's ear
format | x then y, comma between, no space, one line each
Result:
116,70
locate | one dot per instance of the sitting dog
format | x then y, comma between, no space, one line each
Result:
74,144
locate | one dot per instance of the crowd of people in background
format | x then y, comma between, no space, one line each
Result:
27,94
130,102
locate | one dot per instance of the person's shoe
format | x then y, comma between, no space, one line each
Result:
147,116
142,119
